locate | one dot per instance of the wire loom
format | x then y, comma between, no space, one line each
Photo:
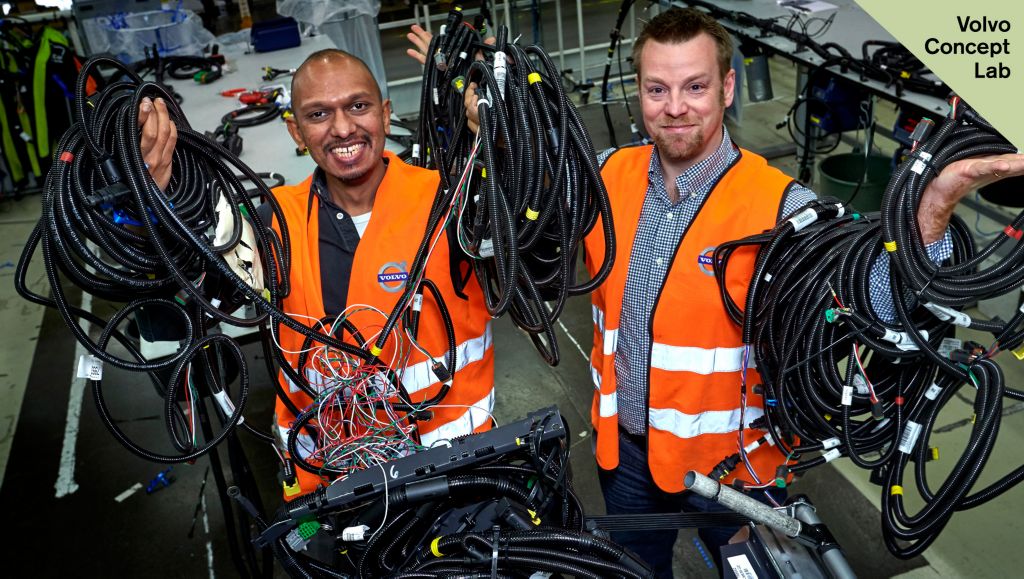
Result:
808,309
536,189
107,229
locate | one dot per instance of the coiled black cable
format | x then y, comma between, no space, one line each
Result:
809,311
535,190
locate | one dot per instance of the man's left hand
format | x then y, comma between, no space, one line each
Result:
955,181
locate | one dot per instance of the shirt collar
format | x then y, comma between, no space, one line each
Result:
702,174
319,188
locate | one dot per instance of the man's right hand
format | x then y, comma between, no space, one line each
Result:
471,101
159,136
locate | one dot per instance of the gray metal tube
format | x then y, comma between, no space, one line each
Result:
833,559
741,503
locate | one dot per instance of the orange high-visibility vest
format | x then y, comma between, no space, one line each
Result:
379,270
693,404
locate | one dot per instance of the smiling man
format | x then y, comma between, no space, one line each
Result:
355,225
666,359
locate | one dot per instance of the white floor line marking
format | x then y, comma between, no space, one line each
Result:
66,484
586,358
209,543
129,492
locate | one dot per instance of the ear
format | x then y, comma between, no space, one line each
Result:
293,130
386,111
729,87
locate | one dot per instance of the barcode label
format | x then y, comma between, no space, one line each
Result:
909,437
90,367
741,567
847,395
933,391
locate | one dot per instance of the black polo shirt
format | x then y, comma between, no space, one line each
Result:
338,242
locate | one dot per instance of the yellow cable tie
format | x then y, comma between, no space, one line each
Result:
935,453
533,77
896,490
904,74
828,416
1019,353
266,295
433,547
531,214
375,351
890,246
534,517
483,173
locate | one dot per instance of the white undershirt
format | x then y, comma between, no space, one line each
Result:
360,222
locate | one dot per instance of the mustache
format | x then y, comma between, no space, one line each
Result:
347,142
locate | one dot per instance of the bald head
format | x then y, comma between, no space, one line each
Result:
327,59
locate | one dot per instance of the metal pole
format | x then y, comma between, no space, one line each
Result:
579,26
561,35
426,17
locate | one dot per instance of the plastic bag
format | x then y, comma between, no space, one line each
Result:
128,36
317,12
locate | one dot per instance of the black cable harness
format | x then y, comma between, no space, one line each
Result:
808,313
530,189
511,514
107,229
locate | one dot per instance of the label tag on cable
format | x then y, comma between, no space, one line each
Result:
226,405
902,340
909,437
947,314
829,443
921,163
847,395
933,391
832,455
486,248
90,367
803,219
417,302
948,345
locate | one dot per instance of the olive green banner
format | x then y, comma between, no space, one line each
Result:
976,47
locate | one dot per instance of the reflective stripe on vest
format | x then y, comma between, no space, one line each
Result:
476,415
419,376
699,360
609,338
696,350
708,422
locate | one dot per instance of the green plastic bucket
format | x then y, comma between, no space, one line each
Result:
839,175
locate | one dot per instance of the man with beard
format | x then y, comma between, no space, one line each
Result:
666,356
354,227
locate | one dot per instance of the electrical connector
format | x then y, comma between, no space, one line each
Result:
781,474
295,541
308,529
876,410
922,130
739,485
110,194
441,372
723,468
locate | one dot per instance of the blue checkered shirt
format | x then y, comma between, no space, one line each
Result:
661,227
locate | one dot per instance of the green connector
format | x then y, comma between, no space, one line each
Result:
830,316
308,529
